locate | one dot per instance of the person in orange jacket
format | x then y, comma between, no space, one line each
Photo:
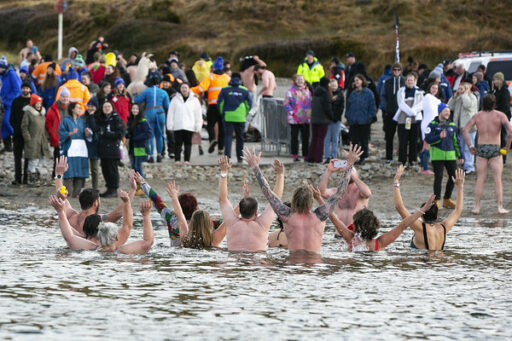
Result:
79,93
213,84
39,72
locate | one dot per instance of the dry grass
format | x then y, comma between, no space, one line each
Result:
278,30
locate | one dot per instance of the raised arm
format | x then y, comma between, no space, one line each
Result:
61,166
389,237
397,196
228,214
324,180
144,245
450,221
364,190
220,232
173,192
117,213
124,231
73,241
266,218
282,211
325,210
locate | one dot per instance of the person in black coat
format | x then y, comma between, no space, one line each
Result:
500,91
333,131
111,130
18,143
321,116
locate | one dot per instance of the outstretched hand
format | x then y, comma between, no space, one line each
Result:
137,177
316,192
459,177
331,168
399,172
252,159
133,182
278,167
353,154
124,196
61,165
172,189
224,164
145,207
58,204
431,200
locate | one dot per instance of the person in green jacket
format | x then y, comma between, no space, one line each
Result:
441,135
311,69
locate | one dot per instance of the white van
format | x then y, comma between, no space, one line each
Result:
499,61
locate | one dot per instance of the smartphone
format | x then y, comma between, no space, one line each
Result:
340,163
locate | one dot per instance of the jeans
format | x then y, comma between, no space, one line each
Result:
136,163
451,167
424,158
469,159
331,140
238,127
316,147
157,123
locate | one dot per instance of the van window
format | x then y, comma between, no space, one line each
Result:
504,66
473,66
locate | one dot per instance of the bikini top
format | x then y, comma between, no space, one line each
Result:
425,238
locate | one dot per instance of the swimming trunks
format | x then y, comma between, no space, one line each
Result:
488,151
425,238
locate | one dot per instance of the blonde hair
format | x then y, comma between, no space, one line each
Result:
302,199
200,230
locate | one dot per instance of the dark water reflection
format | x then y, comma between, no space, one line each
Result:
47,291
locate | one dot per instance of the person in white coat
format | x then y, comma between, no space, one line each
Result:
408,117
430,103
184,117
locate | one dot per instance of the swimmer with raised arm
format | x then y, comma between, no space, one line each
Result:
89,199
76,242
249,232
428,234
366,227
356,197
488,126
304,229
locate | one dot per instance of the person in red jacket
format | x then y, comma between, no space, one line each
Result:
54,115
121,99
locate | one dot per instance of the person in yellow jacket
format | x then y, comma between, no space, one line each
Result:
311,69
202,67
213,84
79,93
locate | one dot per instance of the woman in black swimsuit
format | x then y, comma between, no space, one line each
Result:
428,234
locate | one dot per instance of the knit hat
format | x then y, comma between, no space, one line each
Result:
24,69
434,75
35,99
3,63
118,81
218,64
204,55
500,76
64,91
72,74
441,107
235,75
78,61
26,84
310,52
93,102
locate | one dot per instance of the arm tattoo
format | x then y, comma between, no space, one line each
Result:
282,211
323,211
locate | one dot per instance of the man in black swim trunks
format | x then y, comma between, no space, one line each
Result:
488,125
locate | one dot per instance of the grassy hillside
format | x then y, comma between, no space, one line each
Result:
279,31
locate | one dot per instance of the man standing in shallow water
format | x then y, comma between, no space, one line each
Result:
488,126
304,229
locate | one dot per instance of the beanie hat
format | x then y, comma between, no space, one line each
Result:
3,62
118,81
324,81
35,99
204,55
218,64
78,61
26,84
499,75
335,60
24,69
72,74
310,52
94,102
441,107
236,75
64,91
434,75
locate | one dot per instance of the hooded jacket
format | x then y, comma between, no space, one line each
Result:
67,62
444,84
321,107
446,149
53,118
312,74
464,107
234,101
139,137
185,114
78,93
297,104
34,133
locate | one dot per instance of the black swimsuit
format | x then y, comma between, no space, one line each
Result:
425,238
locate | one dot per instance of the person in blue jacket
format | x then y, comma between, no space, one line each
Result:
138,132
444,83
49,87
360,114
11,88
380,83
72,135
156,105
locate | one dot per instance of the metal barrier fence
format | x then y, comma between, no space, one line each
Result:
275,130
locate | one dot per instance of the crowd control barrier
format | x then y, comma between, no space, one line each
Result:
275,130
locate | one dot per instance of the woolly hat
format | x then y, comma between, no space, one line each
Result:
93,102
72,74
24,69
35,99
64,91
500,76
78,61
441,107
218,64
118,81
204,55
3,63
434,75
26,84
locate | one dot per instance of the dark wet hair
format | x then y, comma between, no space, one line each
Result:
91,224
366,224
188,204
489,102
248,207
431,214
87,197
